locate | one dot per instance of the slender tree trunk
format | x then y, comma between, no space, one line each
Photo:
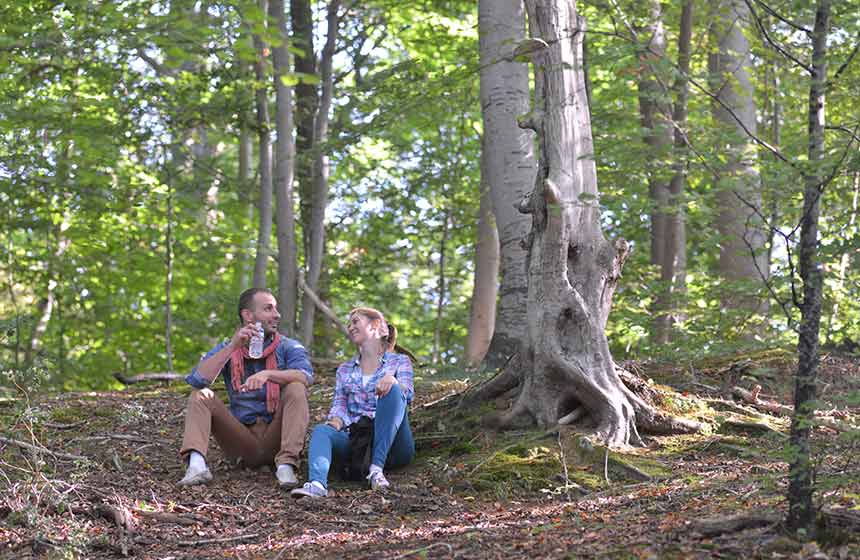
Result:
844,260
776,140
441,289
673,264
9,278
246,156
742,246
245,262
564,362
264,237
801,512
306,102
482,314
510,162
287,260
654,111
315,254
57,243
168,280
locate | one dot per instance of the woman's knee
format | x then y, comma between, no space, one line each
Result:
322,430
395,393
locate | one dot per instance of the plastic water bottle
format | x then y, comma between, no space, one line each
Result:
255,348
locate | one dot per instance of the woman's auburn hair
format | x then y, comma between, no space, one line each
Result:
375,314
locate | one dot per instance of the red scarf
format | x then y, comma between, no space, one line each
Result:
237,371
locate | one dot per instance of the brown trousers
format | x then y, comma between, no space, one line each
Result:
257,444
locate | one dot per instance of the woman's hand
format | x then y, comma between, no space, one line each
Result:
255,381
335,423
385,384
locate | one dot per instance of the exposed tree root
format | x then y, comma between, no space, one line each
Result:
634,413
508,378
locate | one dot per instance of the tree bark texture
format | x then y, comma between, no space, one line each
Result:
315,226
286,220
739,200
306,103
441,288
655,112
801,512
264,234
564,362
673,260
168,280
510,162
482,315
245,261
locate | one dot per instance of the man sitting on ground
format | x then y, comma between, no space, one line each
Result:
268,415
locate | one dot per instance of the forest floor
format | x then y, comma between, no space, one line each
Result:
470,494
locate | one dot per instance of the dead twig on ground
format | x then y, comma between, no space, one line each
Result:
56,426
752,397
167,517
40,449
219,541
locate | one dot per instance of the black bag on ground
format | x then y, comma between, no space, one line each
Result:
360,449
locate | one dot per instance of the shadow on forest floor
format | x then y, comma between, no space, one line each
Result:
470,494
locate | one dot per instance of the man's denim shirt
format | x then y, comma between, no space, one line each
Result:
247,407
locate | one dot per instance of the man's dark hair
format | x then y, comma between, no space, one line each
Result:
246,299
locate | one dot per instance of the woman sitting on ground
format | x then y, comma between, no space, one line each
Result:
377,383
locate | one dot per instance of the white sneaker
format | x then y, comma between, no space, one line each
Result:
378,482
193,477
311,490
286,476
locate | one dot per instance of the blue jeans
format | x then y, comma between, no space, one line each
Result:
393,445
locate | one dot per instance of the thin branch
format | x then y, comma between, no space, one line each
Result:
219,541
754,137
788,22
774,44
40,449
325,309
845,64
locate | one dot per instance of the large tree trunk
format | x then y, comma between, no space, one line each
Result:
801,512
315,227
287,264
482,314
264,235
742,247
564,362
510,163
